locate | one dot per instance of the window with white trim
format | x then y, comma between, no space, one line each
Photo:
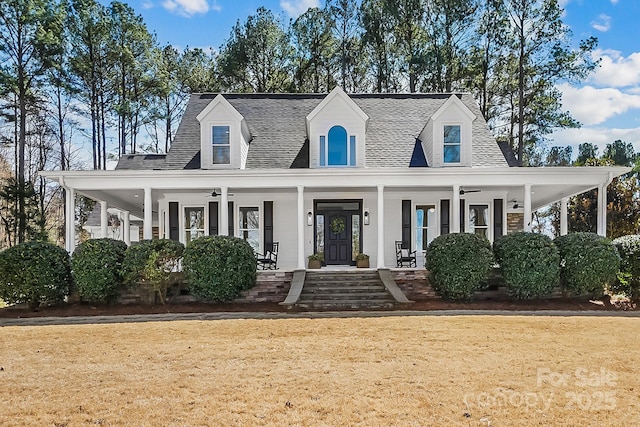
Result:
220,145
337,148
479,220
426,226
249,226
193,223
451,144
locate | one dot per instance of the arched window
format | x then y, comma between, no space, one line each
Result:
338,150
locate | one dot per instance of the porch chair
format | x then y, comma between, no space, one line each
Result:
268,260
404,256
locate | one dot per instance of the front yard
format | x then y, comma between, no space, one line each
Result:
427,370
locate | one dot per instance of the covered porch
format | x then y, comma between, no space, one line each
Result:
285,205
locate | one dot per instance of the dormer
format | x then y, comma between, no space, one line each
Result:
224,136
337,132
447,137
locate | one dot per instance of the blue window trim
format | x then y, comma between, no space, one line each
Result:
323,151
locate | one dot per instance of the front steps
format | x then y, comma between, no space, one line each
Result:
360,289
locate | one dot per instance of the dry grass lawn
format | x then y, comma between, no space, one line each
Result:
404,371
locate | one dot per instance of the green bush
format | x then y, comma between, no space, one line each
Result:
219,268
530,264
152,261
459,263
34,273
96,268
628,281
137,257
588,262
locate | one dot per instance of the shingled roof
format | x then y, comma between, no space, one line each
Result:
277,123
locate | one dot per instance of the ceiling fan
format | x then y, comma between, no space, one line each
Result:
214,193
463,191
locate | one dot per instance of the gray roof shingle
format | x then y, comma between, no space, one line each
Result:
277,123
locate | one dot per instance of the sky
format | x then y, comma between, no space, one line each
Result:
607,103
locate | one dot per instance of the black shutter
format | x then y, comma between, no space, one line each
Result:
213,218
462,215
230,218
498,209
444,217
268,225
174,227
406,224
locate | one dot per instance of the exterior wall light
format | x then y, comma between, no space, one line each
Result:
366,217
309,218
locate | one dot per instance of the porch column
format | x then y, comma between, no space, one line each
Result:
455,209
104,220
602,210
223,230
301,227
126,228
563,216
70,223
380,254
148,215
527,207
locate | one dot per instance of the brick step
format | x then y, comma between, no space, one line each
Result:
341,283
346,296
342,305
341,289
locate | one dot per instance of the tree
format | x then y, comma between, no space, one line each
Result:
538,57
29,40
346,31
377,43
257,56
314,46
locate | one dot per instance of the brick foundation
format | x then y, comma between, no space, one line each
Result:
414,283
271,286
515,222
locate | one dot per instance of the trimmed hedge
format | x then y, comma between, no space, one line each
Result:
588,262
530,264
219,268
459,263
628,280
34,273
138,255
96,268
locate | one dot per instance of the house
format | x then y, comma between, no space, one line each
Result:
96,228
333,173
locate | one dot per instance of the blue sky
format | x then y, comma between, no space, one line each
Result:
607,103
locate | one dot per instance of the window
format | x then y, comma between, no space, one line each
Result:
336,149
249,226
479,220
220,144
451,144
193,223
425,226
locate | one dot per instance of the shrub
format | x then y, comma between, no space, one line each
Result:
459,263
34,273
96,268
137,256
219,268
588,262
530,264
628,280
152,261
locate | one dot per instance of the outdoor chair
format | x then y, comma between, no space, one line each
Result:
404,256
268,260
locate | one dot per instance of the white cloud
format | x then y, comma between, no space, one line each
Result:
603,23
295,8
147,4
614,2
616,70
186,8
592,106
597,136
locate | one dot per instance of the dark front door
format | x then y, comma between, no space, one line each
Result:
337,229
338,233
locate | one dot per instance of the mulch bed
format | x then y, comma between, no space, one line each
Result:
431,304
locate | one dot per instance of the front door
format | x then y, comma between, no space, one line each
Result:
338,231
